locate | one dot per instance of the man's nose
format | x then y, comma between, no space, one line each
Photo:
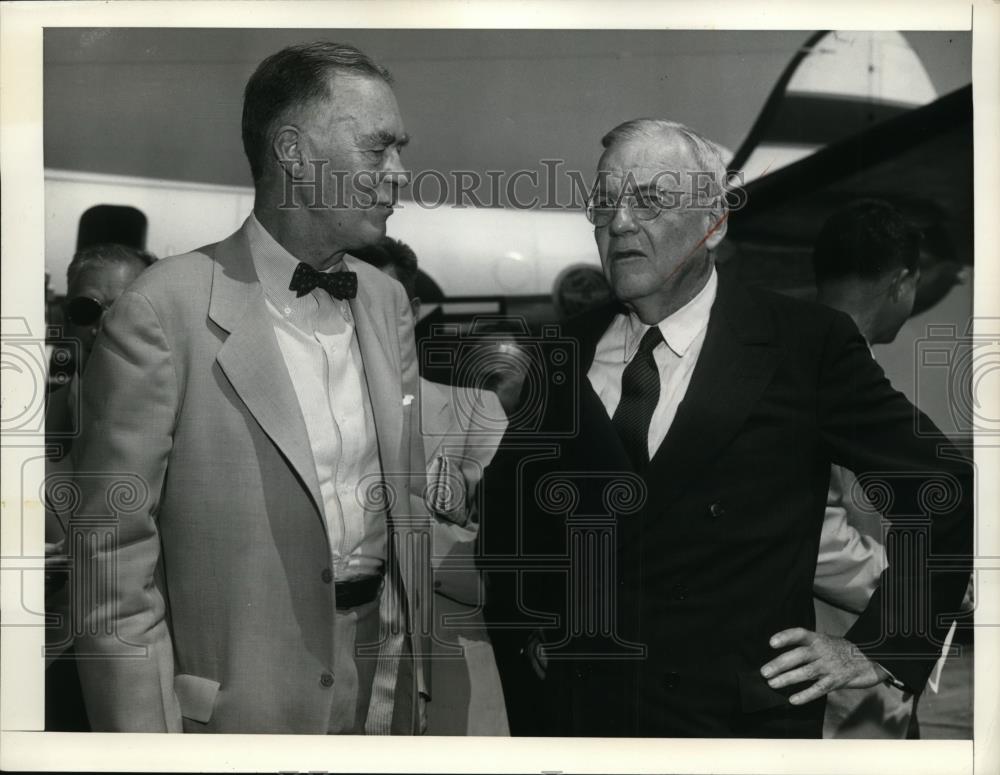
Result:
623,220
395,171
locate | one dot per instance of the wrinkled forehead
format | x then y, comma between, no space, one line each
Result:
354,103
348,94
659,160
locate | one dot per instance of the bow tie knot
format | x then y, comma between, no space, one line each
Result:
340,285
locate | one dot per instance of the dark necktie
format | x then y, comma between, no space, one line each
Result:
340,285
640,394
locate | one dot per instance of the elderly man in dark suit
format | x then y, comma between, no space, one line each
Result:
707,418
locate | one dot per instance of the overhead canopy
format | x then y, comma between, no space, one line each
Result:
920,161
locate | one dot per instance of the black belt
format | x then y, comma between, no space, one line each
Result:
355,592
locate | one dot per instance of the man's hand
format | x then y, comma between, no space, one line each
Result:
832,663
446,491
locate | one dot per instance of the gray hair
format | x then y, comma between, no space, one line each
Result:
290,79
107,254
706,152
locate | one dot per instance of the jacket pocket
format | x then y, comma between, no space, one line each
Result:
196,696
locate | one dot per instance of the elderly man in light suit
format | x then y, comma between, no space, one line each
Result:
254,398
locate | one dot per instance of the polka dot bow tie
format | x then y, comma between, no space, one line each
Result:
340,285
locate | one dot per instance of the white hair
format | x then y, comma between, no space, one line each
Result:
706,152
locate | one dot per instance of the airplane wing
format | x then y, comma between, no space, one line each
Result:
838,84
920,160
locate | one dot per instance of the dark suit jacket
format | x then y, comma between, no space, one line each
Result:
667,582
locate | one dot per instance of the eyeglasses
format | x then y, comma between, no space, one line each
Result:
644,205
84,310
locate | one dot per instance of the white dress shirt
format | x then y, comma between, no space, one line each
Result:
317,340
675,357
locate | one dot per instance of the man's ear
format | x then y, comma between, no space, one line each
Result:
899,277
287,149
717,224
415,307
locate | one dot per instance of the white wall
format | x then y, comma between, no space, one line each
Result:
467,251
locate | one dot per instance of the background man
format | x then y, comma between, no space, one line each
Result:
256,396
94,279
723,407
461,428
866,263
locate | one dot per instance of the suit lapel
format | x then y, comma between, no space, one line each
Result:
252,362
382,375
737,361
597,440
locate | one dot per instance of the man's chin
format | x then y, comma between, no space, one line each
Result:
366,239
377,219
372,234
630,288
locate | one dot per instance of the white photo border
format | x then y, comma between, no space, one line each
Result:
21,26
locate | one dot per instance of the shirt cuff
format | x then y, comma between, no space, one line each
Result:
891,680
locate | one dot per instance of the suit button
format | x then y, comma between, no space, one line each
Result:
671,679
679,592
326,680
437,585
717,510
326,575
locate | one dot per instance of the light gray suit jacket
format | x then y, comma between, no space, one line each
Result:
201,510
465,426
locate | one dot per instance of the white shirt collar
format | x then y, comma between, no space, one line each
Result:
274,266
679,329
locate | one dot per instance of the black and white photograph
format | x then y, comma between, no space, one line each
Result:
618,391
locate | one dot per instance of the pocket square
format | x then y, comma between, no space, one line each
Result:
407,399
